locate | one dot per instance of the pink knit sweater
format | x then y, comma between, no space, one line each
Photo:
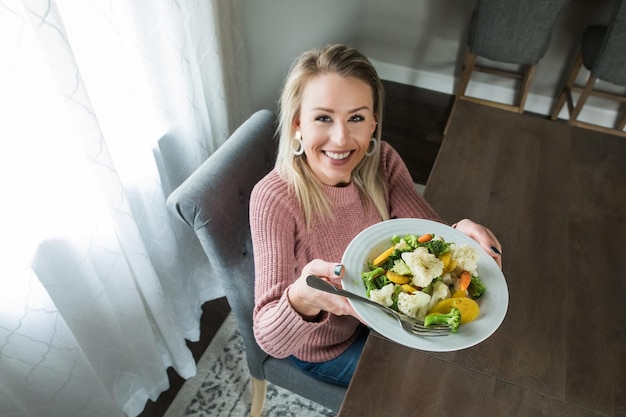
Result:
283,246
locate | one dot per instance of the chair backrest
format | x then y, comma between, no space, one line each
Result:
513,31
214,201
610,64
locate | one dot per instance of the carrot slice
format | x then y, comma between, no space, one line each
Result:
425,238
464,280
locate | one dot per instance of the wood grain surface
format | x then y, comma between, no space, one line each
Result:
555,195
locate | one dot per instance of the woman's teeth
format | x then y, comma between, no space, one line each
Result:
334,155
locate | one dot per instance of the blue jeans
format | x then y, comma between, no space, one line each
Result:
339,370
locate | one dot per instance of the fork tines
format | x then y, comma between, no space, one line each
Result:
431,331
418,328
420,325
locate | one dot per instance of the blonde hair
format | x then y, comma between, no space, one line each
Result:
346,62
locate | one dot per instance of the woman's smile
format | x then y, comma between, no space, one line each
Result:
337,156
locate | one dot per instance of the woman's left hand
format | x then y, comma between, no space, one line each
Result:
485,238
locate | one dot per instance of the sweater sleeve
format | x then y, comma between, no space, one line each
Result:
403,199
278,327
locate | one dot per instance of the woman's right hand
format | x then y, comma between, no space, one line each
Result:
309,302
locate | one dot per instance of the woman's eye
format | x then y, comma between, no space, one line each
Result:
357,118
323,119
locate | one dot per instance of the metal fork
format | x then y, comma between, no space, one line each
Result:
409,324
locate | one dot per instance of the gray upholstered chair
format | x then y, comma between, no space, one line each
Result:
214,201
511,32
603,53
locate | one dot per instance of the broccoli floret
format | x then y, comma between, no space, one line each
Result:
453,319
407,242
400,267
370,275
476,287
436,246
388,264
411,240
374,279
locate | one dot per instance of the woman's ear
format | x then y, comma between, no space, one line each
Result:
295,120
296,124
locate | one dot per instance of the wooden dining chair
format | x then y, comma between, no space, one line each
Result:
214,202
507,38
602,52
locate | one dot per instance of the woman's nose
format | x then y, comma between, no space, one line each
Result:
340,133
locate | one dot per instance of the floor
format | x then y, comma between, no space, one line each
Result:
414,120
413,124
213,315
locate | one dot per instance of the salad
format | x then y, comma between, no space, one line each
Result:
427,278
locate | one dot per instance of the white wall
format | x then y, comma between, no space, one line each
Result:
277,31
416,42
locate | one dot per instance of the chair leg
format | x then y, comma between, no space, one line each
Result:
584,94
259,389
528,78
567,89
621,123
468,67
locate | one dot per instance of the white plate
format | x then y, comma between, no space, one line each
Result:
375,239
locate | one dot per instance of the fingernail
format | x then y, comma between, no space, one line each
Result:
338,269
493,248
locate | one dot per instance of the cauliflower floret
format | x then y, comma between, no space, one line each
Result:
402,245
383,296
466,257
440,292
447,278
456,282
424,266
414,305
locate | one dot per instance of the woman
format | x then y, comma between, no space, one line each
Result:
333,178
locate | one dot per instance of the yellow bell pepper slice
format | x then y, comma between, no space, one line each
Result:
451,266
383,256
408,288
459,294
445,258
469,308
397,278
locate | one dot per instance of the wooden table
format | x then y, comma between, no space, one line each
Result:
555,196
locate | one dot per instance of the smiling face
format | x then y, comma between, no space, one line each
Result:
337,121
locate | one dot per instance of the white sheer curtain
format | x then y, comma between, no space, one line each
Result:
105,107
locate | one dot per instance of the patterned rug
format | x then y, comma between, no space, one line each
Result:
222,385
